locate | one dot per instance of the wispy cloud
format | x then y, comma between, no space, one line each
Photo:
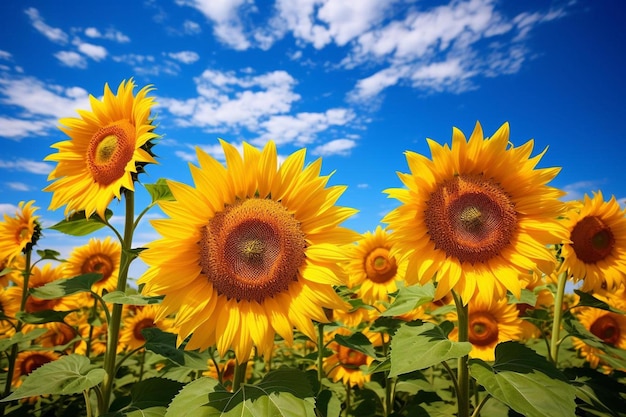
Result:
71,59
186,57
54,34
110,34
577,190
335,147
26,165
95,52
18,186
9,209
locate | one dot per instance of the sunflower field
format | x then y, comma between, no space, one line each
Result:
484,294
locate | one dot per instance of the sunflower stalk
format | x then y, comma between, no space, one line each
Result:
320,354
240,375
558,314
114,323
462,393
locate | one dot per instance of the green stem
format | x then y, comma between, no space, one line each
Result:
113,330
558,314
389,382
240,375
480,405
320,353
462,394
87,403
348,395
18,328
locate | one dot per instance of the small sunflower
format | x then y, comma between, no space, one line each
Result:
27,361
19,233
108,147
225,371
97,256
476,216
607,326
345,363
8,307
597,252
144,317
489,324
372,268
252,251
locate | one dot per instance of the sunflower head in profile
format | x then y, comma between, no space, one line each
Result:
490,322
108,147
142,318
372,268
345,363
476,216
97,256
19,233
252,251
596,253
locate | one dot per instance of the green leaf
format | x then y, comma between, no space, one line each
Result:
41,317
328,403
284,392
526,382
163,343
5,271
50,254
377,366
18,338
69,374
528,297
614,357
78,225
160,191
62,287
149,397
409,298
120,297
357,341
420,346
588,300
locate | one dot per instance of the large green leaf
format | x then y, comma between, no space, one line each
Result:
41,317
120,297
588,300
159,191
62,287
149,397
526,382
420,346
45,254
20,338
282,393
164,344
78,225
69,374
611,355
409,298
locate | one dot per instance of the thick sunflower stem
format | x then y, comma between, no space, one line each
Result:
320,353
240,375
558,314
113,332
15,347
462,394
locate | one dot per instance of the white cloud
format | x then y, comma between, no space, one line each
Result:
71,59
577,190
26,165
191,28
18,186
186,57
54,34
42,105
371,86
4,55
227,25
9,209
95,52
335,147
110,34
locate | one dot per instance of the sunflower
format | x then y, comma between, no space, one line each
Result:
97,256
19,233
144,317
490,322
476,216
225,371
345,363
29,360
108,147
607,326
252,251
372,268
12,271
596,253
8,307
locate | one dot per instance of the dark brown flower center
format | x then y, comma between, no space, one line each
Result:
592,240
140,325
100,264
470,218
483,329
607,329
110,149
252,249
379,266
350,358
33,362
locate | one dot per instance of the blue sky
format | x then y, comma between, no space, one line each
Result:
355,82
